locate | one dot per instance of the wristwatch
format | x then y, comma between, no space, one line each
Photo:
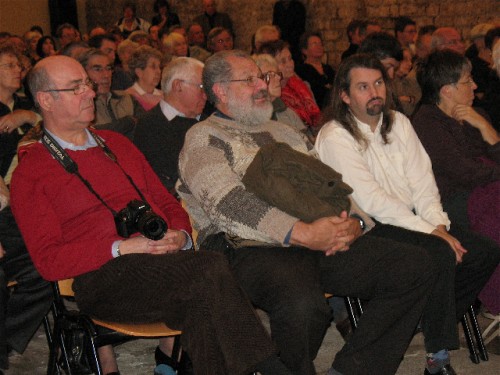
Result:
361,221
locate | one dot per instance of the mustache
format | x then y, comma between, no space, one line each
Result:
378,98
261,94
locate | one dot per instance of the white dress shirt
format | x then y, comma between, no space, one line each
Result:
393,182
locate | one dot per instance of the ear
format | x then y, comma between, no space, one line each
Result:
138,72
345,97
220,91
445,91
45,100
177,85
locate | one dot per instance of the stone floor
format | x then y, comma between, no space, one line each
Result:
136,357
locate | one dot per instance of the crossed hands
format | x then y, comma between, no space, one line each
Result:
173,241
328,234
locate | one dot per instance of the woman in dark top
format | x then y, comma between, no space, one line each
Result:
319,76
163,17
464,149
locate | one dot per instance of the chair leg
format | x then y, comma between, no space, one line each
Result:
470,342
483,353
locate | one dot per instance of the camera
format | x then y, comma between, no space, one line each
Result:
138,217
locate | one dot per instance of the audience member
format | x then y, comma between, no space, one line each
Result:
160,133
16,42
319,76
16,115
213,166
130,22
145,65
492,93
66,33
405,30
405,86
143,278
122,77
265,34
272,77
114,110
46,46
294,92
423,45
480,58
22,310
447,38
164,18
356,30
379,155
105,43
140,37
174,45
196,36
74,49
219,39
462,144
211,18
31,39
372,26
290,17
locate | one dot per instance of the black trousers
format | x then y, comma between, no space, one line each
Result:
191,291
289,284
457,286
21,311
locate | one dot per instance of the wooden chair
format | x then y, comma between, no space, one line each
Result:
76,336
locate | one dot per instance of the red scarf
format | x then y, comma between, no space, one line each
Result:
299,97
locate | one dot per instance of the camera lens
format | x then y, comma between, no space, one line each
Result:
152,226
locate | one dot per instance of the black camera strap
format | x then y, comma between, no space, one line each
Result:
71,167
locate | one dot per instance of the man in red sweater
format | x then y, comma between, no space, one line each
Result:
70,231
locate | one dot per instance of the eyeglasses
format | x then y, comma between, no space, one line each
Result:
99,68
79,89
468,82
12,66
199,85
271,74
251,81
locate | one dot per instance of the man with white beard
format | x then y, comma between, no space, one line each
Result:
283,263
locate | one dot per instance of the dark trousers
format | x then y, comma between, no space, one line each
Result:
457,286
289,284
191,291
21,311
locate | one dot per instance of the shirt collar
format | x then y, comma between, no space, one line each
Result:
91,142
171,112
141,91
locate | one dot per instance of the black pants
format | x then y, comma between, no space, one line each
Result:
457,286
289,284
192,292
21,311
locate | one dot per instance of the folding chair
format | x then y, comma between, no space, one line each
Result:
76,336
475,343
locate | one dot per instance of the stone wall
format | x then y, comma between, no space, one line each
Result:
328,16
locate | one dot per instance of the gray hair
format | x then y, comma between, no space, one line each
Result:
179,68
218,69
85,57
140,58
38,81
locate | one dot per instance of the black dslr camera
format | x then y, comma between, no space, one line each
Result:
138,217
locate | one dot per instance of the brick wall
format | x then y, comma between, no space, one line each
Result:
328,16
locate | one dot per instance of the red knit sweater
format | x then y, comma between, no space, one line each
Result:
67,230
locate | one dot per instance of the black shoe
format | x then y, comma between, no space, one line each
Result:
446,370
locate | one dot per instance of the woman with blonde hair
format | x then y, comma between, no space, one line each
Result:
174,45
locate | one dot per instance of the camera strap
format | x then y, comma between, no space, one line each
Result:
71,167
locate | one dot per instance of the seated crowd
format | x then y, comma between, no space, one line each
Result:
378,179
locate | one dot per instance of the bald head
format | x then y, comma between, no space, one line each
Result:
447,38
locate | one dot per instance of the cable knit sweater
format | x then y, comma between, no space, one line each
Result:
69,232
212,163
